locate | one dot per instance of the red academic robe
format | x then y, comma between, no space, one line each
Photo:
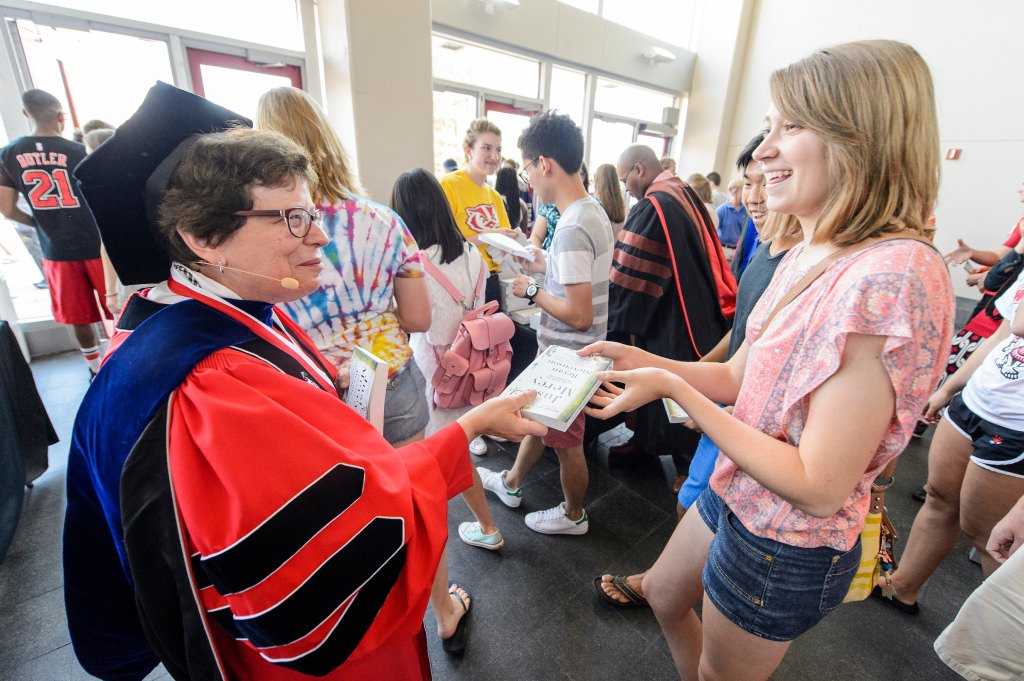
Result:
312,542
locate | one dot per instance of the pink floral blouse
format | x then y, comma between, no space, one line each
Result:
898,289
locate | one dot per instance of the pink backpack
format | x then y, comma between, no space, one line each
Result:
476,365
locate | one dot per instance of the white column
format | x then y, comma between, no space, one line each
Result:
720,41
377,85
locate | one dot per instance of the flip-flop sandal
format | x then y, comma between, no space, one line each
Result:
905,608
456,643
634,599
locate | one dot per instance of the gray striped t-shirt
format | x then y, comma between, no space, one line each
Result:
581,252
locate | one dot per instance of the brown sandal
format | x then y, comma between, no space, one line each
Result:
634,598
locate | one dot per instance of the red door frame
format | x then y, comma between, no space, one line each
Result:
664,140
196,58
507,108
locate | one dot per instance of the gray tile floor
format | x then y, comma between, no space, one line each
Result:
535,616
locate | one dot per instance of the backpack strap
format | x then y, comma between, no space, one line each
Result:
480,278
435,272
446,284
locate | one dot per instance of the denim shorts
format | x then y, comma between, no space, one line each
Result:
772,590
405,407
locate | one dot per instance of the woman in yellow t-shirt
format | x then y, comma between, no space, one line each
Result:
477,207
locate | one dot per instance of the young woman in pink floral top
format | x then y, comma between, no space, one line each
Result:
829,392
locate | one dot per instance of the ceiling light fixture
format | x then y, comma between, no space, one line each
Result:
658,55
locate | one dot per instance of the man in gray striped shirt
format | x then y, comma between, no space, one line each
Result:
574,306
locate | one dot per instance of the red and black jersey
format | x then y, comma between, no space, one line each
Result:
40,169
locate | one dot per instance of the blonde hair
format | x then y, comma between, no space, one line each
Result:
701,186
479,127
295,114
779,226
608,191
873,104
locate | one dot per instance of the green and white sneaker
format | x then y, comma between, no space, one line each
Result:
555,521
495,482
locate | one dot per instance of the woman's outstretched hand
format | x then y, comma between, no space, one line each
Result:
639,386
624,357
500,416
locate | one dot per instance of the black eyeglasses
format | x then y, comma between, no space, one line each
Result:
623,180
522,173
299,220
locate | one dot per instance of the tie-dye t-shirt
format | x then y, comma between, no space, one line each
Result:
370,247
898,289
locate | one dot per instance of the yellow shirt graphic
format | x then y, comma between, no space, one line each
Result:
475,208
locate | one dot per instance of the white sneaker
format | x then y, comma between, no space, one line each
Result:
554,521
495,482
474,536
477,446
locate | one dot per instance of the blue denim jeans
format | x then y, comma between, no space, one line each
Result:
772,590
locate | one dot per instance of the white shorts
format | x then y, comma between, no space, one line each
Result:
985,641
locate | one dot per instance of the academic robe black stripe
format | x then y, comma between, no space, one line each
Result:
222,616
358,562
352,627
255,557
199,572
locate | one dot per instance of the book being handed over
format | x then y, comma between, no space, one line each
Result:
564,382
367,386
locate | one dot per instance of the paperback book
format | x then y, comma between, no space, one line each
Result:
508,245
367,387
676,414
564,382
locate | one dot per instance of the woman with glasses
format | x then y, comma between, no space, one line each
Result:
373,294
228,515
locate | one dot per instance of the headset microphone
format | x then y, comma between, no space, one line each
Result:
289,283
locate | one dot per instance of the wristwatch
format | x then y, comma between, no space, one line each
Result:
531,290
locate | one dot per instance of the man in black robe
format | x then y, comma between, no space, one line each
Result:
671,290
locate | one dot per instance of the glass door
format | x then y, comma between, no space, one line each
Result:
453,110
235,82
96,74
512,121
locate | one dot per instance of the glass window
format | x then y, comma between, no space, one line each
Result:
568,92
461,62
275,23
630,101
656,142
668,21
75,66
453,112
608,139
236,90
